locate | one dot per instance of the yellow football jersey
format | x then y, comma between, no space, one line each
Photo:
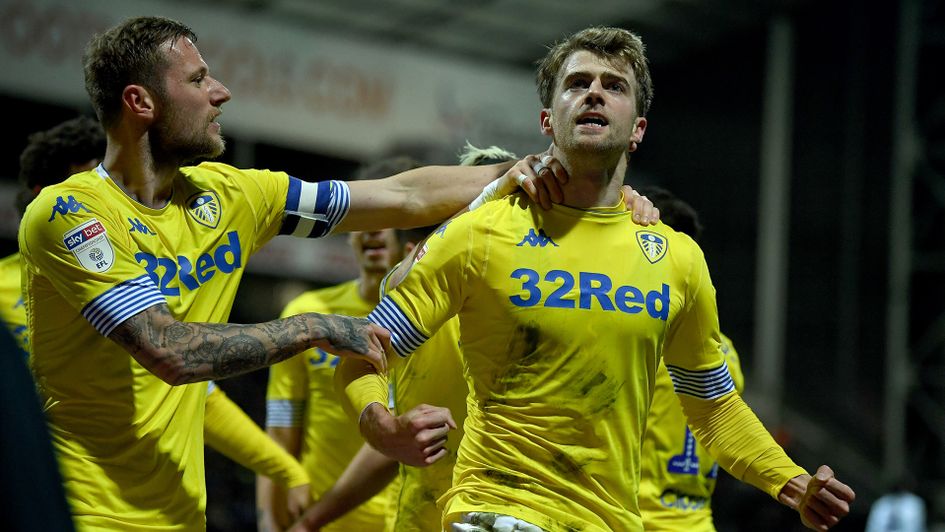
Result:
432,375
678,475
12,309
130,446
301,393
563,314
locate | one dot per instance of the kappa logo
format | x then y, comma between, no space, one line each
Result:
204,207
90,245
66,206
654,245
441,230
137,225
537,240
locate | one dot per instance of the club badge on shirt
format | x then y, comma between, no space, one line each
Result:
204,208
90,245
653,245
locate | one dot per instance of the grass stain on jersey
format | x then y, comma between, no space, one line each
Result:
521,354
506,479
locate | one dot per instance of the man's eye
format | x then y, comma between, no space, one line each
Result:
617,87
579,84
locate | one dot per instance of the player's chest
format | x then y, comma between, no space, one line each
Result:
608,273
183,255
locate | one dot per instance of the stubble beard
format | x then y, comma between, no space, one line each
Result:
168,142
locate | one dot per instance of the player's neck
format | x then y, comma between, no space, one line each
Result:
369,284
594,181
137,172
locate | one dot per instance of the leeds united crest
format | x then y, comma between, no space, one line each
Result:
654,245
204,207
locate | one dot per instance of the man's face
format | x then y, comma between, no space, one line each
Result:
594,108
185,126
377,251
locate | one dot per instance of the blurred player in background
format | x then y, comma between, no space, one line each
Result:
432,375
303,413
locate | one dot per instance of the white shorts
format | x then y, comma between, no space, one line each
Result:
490,522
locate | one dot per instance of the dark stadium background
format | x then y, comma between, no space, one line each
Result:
861,385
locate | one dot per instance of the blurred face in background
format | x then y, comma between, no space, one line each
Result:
376,251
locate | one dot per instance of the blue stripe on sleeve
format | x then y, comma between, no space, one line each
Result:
120,302
705,384
314,209
292,196
404,337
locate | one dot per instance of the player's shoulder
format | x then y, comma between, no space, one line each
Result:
496,212
83,192
678,242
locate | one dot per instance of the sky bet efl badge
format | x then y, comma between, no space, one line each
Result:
89,243
654,245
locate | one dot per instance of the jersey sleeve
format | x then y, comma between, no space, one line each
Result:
75,242
435,287
313,210
231,432
734,363
719,418
693,347
286,205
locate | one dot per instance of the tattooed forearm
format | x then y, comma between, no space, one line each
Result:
181,352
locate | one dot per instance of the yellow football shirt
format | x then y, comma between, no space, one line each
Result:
130,446
432,375
301,393
12,309
678,475
564,315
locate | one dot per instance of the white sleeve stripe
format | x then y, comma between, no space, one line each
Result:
121,291
399,323
284,413
314,209
211,387
404,337
304,228
308,195
705,384
338,209
120,302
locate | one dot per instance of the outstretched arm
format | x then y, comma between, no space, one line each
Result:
368,473
418,197
181,352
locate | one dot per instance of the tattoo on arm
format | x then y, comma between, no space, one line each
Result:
181,352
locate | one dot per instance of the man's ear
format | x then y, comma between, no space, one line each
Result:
139,101
639,128
545,124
